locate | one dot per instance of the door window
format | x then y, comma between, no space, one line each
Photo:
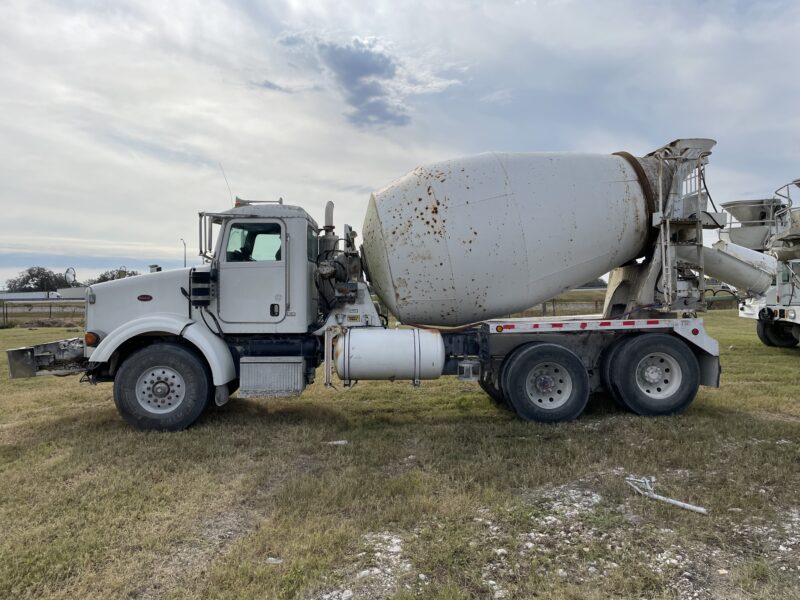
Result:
312,244
254,242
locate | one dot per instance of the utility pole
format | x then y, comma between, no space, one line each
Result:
184,251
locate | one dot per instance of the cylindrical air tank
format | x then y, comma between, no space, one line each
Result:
488,235
374,353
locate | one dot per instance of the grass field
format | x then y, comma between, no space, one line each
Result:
437,493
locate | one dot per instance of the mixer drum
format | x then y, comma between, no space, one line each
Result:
489,235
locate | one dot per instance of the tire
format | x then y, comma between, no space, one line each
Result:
546,383
607,360
655,374
777,335
761,332
495,393
163,387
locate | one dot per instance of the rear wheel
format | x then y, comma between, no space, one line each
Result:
775,334
162,387
655,374
546,382
607,361
494,392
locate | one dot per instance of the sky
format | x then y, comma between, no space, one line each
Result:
117,119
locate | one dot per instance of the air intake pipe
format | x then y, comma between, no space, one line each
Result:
327,242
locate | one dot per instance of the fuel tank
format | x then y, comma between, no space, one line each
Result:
488,235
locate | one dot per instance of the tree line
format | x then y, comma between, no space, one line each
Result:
40,279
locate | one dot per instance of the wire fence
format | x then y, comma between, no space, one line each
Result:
41,312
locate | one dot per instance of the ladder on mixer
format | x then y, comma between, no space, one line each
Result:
687,230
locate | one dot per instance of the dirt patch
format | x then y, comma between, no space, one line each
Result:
188,556
376,574
573,534
777,541
555,528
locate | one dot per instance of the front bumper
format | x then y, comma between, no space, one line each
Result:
63,357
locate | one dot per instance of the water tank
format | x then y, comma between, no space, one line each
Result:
488,235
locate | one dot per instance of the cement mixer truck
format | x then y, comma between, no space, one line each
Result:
451,250
771,226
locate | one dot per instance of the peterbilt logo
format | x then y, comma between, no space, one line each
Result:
144,297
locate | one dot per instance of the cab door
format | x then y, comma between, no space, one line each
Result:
252,272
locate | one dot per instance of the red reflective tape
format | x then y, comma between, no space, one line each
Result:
627,323
556,325
653,322
509,326
605,323
535,326
584,325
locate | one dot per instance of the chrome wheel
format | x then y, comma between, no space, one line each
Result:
549,385
160,390
658,375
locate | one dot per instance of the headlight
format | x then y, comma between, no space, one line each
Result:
791,314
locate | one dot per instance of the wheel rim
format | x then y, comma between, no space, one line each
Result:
160,390
658,375
548,385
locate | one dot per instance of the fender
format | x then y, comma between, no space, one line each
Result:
214,350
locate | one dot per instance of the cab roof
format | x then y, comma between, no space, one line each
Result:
266,210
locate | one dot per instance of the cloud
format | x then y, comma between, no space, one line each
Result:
361,71
272,86
292,39
114,121
501,97
377,84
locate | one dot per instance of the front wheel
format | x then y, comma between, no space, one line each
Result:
655,374
162,387
546,382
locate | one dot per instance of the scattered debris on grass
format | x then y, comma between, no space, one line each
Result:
644,486
382,565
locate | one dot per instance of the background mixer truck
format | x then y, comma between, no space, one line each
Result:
772,226
449,249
